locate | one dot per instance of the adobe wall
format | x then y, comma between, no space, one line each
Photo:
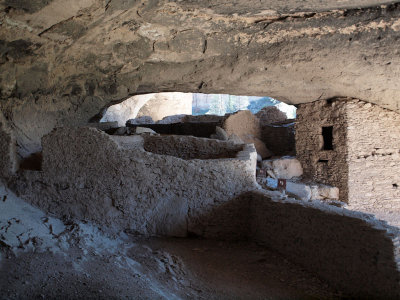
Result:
188,147
374,156
113,181
323,166
352,251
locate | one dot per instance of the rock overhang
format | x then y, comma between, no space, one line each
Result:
65,67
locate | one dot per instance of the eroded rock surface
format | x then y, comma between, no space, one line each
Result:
63,63
270,114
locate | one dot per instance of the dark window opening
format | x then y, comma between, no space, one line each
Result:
33,162
395,186
325,161
327,134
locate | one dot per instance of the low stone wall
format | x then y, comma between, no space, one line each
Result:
113,181
352,251
189,147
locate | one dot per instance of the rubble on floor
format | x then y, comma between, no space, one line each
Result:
284,174
285,167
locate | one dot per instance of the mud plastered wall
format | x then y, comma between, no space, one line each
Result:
374,156
187,147
325,166
113,181
350,250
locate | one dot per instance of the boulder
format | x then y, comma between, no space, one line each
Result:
260,146
246,126
140,130
221,134
299,190
271,114
235,139
284,168
324,192
243,123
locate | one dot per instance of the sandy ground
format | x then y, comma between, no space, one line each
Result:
42,257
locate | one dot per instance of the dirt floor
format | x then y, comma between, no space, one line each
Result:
42,257
158,269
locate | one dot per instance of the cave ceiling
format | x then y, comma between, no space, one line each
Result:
69,59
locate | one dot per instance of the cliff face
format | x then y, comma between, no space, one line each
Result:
61,62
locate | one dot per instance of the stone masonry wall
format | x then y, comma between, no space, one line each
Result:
112,181
365,161
374,156
324,166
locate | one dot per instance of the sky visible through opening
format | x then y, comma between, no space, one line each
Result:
220,104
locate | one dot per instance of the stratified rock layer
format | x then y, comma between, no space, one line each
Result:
63,62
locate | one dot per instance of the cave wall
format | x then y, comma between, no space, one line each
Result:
157,106
127,109
167,104
61,62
